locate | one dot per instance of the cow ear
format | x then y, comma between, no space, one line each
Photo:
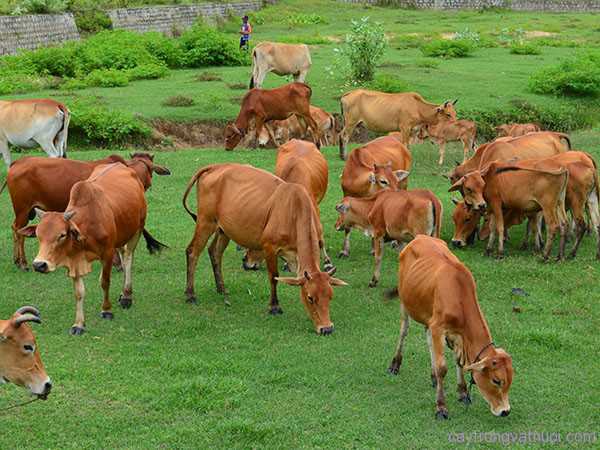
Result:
160,170
372,179
75,232
337,282
478,366
457,186
28,231
401,174
292,281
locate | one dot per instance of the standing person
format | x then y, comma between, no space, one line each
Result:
245,32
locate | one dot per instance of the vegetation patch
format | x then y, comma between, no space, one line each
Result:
237,86
442,48
525,48
208,76
577,76
179,101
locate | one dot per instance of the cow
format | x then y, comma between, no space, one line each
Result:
31,122
391,215
106,213
299,162
260,211
449,131
261,105
281,59
514,186
382,112
439,291
516,129
533,145
20,360
46,184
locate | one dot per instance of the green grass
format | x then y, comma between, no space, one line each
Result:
169,374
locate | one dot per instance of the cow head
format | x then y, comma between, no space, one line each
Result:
503,130
316,293
143,165
233,136
60,240
446,110
20,361
383,177
466,224
343,221
471,187
493,376
252,259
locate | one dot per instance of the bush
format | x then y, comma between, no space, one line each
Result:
525,48
388,83
41,7
179,100
365,45
443,48
578,76
73,84
208,76
404,42
107,78
92,21
18,83
148,72
204,46
163,48
57,61
428,63
305,19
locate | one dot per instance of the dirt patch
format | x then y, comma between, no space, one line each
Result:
334,39
448,36
535,34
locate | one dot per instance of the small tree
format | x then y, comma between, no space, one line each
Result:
365,45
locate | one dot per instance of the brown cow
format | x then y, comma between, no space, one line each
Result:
438,291
260,211
382,112
46,184
106,213
281,131
513,186
533,145
261,105
20,360
449,131
517,129
391,215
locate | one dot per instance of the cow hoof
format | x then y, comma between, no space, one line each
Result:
373,283
343,255
465,398
395,366
227,302
328,267
249,266
192,300
441,414
433,381
276,310
76,331
23,267
125,302
107,315
500,256
571,255
118,268
488,252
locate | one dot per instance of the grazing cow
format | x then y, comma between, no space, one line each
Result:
517,129
262,105
260,211
20,360
382,112
438,291
281,59
46,184
106,213
391,215
449,131
299,162
514,186
533,145
27,123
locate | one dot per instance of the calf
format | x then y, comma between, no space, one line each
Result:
262,105
517,129
31,122
390,215
260,211
438,291
106,213
20,360
46,184
449,131
281,131
514,186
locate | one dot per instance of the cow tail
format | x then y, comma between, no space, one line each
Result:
566,138
254,65
192,182
152,244
60,140
3,186
437,211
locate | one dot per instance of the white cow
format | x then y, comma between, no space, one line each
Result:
281,59
27,123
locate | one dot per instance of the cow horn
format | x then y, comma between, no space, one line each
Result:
331,271
306,275
455,102
39,213
456,202
68,215
457,163
26,318
28,309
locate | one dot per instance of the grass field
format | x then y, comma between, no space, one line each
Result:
172,375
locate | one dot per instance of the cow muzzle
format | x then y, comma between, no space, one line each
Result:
458,243
41,266
325,331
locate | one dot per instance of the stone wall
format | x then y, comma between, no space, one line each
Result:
166,19
518,5
30,32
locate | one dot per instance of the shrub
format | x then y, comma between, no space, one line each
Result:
163,48
305,19
208,76
443,48
18,83
525,48
73,84
148,72
579,76
365,45
179,100
204,46
237,86
428,63
388,83
107,78
57,61
41,7
92,21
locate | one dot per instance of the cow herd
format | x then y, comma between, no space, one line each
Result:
96,211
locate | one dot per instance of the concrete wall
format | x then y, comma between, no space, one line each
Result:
166,19
30,32
519,5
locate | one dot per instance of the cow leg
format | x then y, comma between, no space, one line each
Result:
271,260
442,145
5,152
126,297
203,231
432,358
551,229
215,252
345,253
581,228
327,263
437,347
397,359
345,136
258,125
19,257
528,231
594,212
490,245
466,146
301,76
78,327
463,393
314,129
107,263
378,245
497,213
